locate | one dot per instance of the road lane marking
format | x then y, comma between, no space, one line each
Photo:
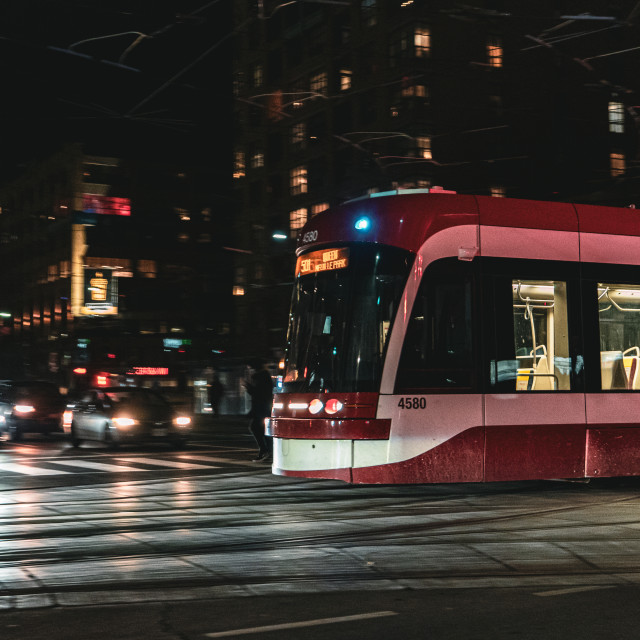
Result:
299,625
569,590
30,471
247,463
167,463
98,466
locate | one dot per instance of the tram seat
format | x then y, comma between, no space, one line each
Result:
524,381
542,381
612,370
631,367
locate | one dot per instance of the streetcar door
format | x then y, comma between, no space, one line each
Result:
534,405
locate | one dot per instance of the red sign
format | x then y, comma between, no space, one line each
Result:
106,205
150,371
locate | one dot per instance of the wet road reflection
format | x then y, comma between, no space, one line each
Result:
230,528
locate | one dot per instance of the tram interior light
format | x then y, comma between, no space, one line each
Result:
362,224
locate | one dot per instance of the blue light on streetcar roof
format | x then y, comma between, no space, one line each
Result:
362,224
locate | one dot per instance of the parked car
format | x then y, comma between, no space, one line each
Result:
116,415
29,406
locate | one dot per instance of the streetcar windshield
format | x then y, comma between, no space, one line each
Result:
344,302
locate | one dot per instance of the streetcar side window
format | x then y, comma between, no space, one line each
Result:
541,336
438,353
619,326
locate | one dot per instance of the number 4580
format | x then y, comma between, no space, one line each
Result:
412,403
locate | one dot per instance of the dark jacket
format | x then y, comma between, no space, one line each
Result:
261,391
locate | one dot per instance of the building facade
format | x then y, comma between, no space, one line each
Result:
334,100
112,269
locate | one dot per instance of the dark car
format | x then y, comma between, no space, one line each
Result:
30,406
116,415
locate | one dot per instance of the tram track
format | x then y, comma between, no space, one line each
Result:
96,527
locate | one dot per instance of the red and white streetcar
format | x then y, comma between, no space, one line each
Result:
437,337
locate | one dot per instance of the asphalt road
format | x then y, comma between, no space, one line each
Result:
152,543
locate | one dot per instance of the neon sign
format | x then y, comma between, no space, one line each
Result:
106,205
150,371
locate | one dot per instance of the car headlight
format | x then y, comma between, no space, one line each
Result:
182,421
24,408
124,421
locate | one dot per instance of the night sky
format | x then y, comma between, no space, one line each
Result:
159,84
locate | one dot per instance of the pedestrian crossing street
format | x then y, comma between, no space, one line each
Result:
58,466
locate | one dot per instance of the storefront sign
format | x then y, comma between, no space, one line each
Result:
100,293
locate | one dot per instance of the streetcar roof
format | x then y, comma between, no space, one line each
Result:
407,218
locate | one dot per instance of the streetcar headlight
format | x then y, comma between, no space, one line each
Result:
124,421
182,421
333,406
67,418
315,406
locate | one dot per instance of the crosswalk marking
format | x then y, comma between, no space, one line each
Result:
167,463
98,466
29,466
29,470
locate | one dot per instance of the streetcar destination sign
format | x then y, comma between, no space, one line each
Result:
324,260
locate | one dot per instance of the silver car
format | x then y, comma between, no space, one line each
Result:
115,415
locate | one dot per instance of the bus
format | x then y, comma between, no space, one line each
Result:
436,337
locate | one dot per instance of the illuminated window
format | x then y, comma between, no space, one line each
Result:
257,160
238,290
65,268
415,90
424,147
422,42
394,112
616,117
121,267
52,272
183,237
147,268
318,83
238,165
617,164
498,192
494,52
298,180
297,220
345,79
183,214
299,134
206,214
618,305
319,208
258,76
